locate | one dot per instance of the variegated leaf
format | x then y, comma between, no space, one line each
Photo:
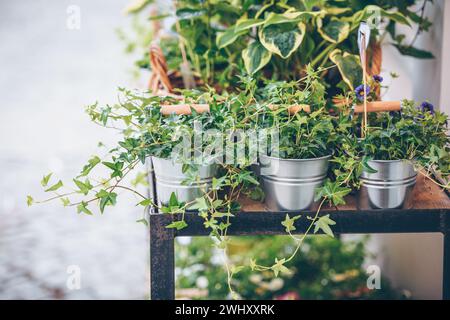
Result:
289,16
255,57
349,66
247,24
334,31
282,39
228,37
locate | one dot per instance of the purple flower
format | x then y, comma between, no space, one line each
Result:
394,113
315,8
426,106
359,91
377,78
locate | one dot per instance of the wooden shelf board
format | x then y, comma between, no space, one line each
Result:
427,195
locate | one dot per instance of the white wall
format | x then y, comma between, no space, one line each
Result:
445,71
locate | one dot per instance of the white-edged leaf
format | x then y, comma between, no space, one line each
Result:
228,37
349,67
255,57
289,16
333,31
246,24
282,39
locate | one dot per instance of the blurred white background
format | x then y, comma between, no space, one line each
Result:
48,73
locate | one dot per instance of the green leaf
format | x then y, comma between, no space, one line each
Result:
110,165
82,208
140,179
218,183
189,13
324,224
250,179
246,24
159,17
334,11
282,39
45,180
349,67
279,267
366,166
115,167
143,221
236,269
84,187
90,165
173,200
306,49
289,223
55,187
137,6
334,31
106,199
333,192
255,57
413,52
225,7
200,204
177,225
252,264
394,16
289,16
65,201
228,37
30,200
146,203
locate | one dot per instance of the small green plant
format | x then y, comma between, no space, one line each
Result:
417,133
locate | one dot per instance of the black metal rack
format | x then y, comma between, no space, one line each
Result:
162,258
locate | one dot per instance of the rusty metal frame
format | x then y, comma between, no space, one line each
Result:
162,250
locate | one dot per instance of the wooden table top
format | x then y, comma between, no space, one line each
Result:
427,195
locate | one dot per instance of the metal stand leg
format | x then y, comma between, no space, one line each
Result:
446,275
162,258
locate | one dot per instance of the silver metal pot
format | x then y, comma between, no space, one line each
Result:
169,177
391,187
289,184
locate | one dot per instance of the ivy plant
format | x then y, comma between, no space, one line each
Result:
416,133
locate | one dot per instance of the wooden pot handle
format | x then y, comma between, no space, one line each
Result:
200,108
379,106
183,108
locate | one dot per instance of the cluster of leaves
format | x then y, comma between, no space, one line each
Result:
278,39
302,135
410,134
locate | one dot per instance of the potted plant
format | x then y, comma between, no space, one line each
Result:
383,160
400,145
216,40
295,166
